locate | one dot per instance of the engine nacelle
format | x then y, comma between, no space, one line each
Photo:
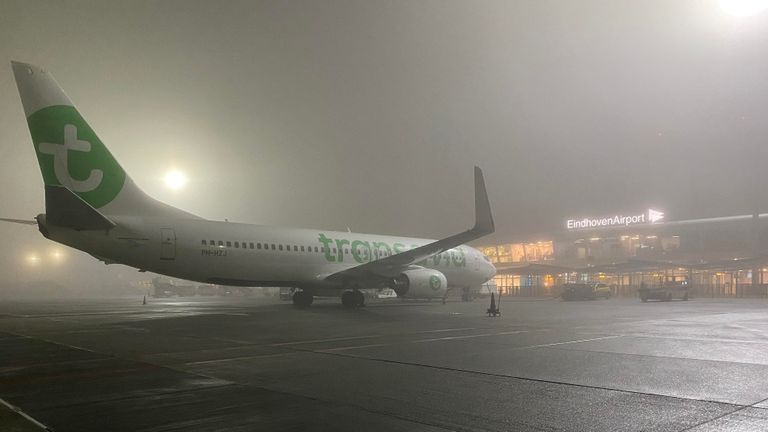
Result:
420,283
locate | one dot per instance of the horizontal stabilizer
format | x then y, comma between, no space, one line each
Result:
64,208
19,221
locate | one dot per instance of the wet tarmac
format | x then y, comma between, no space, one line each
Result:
259,364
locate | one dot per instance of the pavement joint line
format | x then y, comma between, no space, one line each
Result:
537,380
224,383
113,356
347,403
665,357
238,358
741,408
29,418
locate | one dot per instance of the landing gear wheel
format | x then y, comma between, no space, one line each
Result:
346,299
352,299
302,299
359,299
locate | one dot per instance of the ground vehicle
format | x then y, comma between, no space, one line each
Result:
602,290
665,292
578,291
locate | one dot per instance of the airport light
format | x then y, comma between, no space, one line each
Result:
175,179
32,259
57,255
743,8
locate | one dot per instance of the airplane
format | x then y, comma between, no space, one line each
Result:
91,204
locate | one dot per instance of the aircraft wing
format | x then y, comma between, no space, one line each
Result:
393,265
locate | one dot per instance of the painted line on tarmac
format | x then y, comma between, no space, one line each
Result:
470,336
693,338
18,411
447,330
570,342
352,347
323,340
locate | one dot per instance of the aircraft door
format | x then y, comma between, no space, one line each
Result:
167,244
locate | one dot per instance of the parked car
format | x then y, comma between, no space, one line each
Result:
665,292
602,290
578,291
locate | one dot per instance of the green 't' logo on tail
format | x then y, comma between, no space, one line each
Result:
70,154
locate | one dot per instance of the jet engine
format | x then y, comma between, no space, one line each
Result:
420,283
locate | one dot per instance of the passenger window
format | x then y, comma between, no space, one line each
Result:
258,245
237,245
251,245
204,243
302,248
229,244
295,248
280,247
221,243
212,242
273,246
316,250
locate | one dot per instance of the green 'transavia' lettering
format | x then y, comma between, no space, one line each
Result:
364,251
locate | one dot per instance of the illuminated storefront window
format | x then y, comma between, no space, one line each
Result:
520,252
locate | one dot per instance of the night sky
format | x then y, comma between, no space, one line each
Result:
371,115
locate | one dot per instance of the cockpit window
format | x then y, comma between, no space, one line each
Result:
486,258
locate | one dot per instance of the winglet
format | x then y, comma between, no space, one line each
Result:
483,217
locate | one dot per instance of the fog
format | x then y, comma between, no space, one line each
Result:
370,115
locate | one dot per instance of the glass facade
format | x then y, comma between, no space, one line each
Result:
713,256
520,252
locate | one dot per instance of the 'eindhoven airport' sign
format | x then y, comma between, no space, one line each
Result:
651,216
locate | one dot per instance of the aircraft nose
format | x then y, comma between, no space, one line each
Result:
490,270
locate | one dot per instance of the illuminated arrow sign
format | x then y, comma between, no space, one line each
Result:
655,215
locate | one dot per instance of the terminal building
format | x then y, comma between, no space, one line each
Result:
717,257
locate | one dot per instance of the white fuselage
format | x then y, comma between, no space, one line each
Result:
255,255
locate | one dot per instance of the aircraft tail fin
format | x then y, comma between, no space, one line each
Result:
70,154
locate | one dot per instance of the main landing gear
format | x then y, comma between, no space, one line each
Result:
352,299
302,299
